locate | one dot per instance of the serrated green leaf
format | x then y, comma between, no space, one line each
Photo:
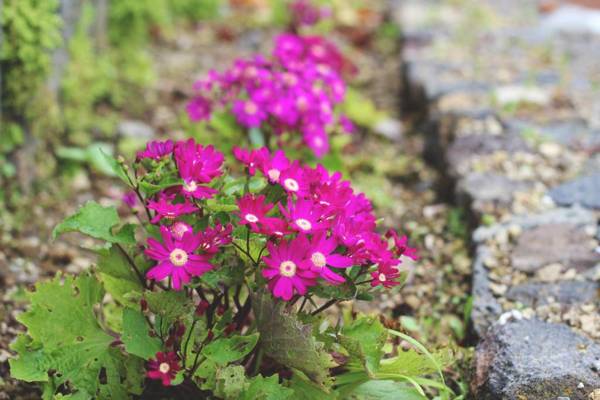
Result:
169,305
267,388
226,350
136,336
96,221
62,325
304,389
289,341
231,381
364,339
117,275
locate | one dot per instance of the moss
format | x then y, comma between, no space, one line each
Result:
30,29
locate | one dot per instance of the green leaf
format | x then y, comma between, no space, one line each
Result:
364,339
169,305
31,366
304,389
66,337
289,341
96,221
231,381
150,188
385,390
115,168
267,388
117,275
136,335
226,350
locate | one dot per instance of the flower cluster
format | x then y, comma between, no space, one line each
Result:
311,224
305,13
296,90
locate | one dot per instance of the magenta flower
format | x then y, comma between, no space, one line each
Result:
292,180
401,245
130,199
199,109
274,227
197,164
385,276
164,367
176,258
304,216
212,239
249,113
252,159
284,269
346,124
179,228
321,255
272,167
156,150
253,210
165,208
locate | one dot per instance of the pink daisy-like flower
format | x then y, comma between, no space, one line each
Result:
199,109
274,227
284,269
156,150
197,164
176,258
401,245
385,276
179,228
304,216
272,167
253,210
252,159
321,255
164,367
212,239
249,113
192,189
165,208
292,180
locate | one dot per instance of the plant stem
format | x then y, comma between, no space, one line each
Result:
132,263
324,306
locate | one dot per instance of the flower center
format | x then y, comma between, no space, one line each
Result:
291,184
250,108
179,229
164,368
290,79
274,174
318,259
303,224
302,103
382,277
287,268
318,142
251,218
318,51
190,186
178,257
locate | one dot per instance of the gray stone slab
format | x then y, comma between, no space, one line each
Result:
535,360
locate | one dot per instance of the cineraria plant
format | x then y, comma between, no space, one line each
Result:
289,98
220,286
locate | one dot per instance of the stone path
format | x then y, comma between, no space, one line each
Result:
508,99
